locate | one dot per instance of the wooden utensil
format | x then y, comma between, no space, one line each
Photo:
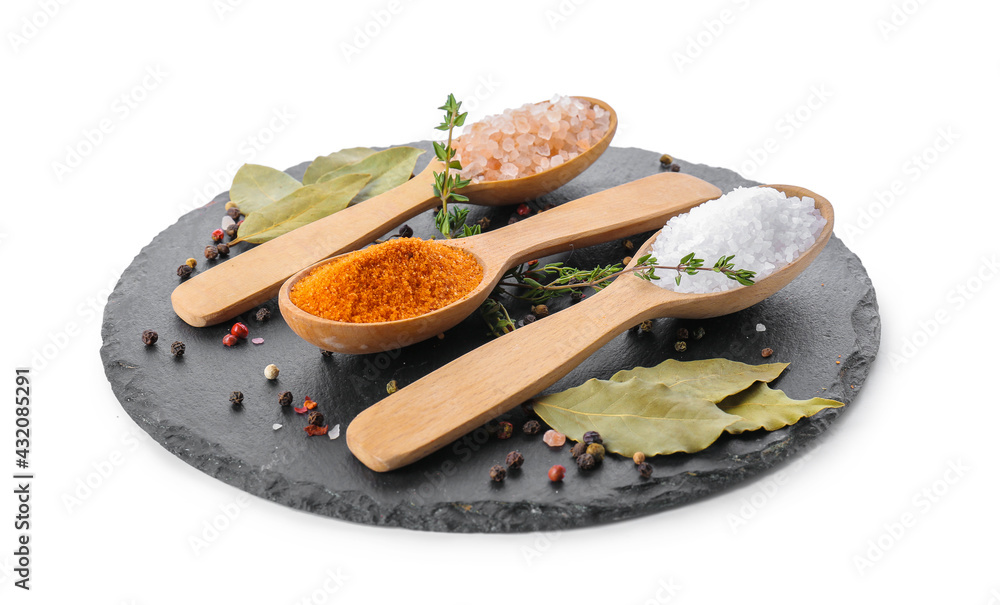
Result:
253,277
635,207
486,382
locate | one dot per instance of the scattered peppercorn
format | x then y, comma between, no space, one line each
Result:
556,473
666,160
767,352
646,326
234,213
680,346
514,459
497,473
271,372
592,437
645,470
263,314
638,457
529,318
626,260
315,418
177,349
326,353
191,263
240,330
683,333
540,311
223,249
531,427
149,337
392,387
232,231
699,333
675,168
484,223
229,340
236,399
405,231
578,449
596,450
586,462
285,398
211,252
576,296
513,219
505,430
184,271
217,235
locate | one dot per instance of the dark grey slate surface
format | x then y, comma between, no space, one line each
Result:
828,314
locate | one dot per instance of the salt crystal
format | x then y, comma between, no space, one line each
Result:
275,426
227,222
554,438
761,327
334,432
257,341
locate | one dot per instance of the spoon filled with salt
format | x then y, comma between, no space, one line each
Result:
418,420
636,207
254,276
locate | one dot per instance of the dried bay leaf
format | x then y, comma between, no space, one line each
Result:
676,406
389,169
761,407
256,186
635,415
301,207
338,159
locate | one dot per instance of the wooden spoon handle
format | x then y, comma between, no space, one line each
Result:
253,277
635,207
482,384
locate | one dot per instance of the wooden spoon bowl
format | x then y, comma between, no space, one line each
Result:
417,419
254,276
635,207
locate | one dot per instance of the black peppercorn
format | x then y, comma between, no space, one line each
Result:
498,473
529,318
585,461
484,223
531,427
576,296
326,353
234,213
236,399
699,333
680,346
177,349
405,231
149,337
683,334
263,314
592,437
675,168
316,418
285,398
211,252
222,249
645,470
578,449
597,451
513,219
232,231
540,311
514,459
184,271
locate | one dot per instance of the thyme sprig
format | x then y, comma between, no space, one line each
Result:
447,182
568,279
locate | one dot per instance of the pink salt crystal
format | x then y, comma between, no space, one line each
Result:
553,438
258,341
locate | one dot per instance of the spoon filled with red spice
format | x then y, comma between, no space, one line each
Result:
417,420
406,290
254,276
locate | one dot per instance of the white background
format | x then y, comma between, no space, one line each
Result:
710,82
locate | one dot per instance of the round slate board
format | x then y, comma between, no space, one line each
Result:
828,314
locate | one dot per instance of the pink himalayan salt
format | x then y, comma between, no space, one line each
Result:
554,438
528,140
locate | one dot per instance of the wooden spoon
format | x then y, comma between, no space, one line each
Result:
635,207
253,277
486,382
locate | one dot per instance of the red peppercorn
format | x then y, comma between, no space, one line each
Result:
217,235
240,330
229,340
524,210
557,472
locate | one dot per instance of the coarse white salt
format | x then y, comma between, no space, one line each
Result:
528,140
761,328
764,230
